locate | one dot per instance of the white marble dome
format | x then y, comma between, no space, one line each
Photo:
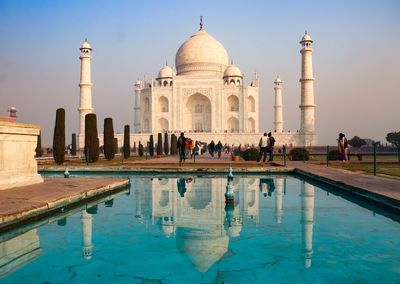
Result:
166,72
86,45
201,54
306,37
232,71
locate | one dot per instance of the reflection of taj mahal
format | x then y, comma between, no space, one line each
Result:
206,97
201,223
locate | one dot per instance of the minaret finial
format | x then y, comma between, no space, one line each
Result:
86,39
306,32
201,22
232,61
166,62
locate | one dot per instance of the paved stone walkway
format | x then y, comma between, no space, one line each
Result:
20,203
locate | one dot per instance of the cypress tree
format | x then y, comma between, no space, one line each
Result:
127,142
59,137
108,139
91,138
39,150
73,150
166,146
151,146
115,145
174,142
159,144
134,147
140,149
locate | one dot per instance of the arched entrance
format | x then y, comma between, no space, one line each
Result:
197,115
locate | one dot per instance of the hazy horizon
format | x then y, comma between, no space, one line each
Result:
356,57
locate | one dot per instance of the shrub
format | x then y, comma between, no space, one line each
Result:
250,154
174,141
59,137
333,155
166,146
151,146
73,143
236,152
299,154
127,142
91,138
140,149
39,150
109,152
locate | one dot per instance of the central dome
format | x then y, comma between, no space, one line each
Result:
201,54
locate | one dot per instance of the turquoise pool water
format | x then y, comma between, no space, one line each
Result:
168,230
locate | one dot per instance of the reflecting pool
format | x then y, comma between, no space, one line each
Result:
279,229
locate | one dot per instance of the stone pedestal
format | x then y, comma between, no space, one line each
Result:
18,166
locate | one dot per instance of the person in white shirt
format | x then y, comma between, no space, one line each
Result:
263,147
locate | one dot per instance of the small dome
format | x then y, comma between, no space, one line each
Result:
165,72
201,53
306,37
86,45
278,80
232,71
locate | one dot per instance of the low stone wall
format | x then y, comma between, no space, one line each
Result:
18,166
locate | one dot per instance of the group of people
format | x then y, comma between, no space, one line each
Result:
266,145
342,147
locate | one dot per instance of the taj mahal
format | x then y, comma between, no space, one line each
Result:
206,97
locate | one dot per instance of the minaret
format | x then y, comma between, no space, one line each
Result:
307,221
85,85
279,197
87,234
278,106
307,105
137,126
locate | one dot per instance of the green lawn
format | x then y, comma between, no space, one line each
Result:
391,169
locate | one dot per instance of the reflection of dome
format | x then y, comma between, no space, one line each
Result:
235,230
203,248
168,230
165,72
201,53
232,71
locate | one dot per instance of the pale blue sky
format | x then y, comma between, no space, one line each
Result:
356,57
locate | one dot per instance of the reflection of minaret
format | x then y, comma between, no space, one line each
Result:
307,220
87,234
278,196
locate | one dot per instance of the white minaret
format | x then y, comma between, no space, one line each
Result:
85,85
307,105
87,234
137,125
278,106
307,221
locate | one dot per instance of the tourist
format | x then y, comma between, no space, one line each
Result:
191,145
219,149
181,148
263,144
271,143
187,147
211,148
342,147
346,145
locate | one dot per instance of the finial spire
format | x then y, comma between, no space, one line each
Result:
166,62
85,39
306,32
201,22
232,61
